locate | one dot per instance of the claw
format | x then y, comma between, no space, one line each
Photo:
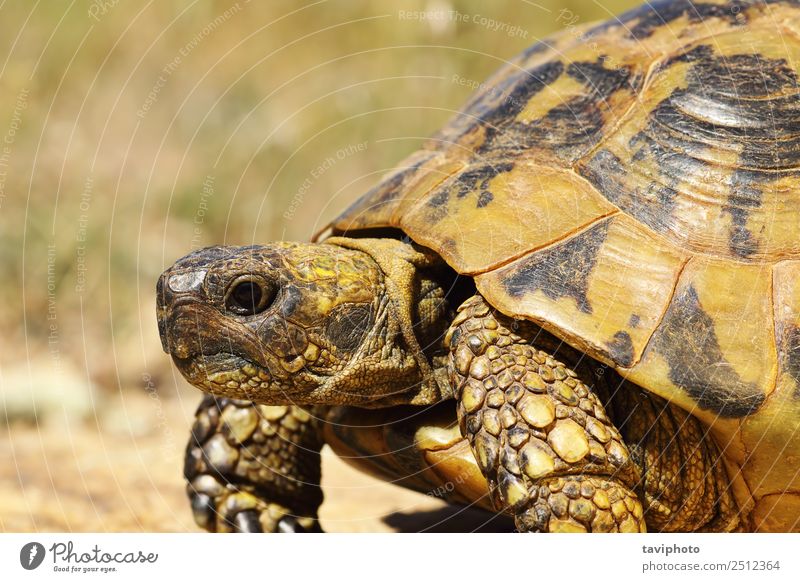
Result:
247,522
204,510
225,494
193,463
289,524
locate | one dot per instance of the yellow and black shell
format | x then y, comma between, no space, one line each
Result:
634,188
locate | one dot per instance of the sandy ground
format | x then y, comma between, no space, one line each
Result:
121,475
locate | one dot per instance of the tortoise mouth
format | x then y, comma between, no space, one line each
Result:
209,365
227,374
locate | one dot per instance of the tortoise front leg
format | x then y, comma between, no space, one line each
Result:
253,468
540,435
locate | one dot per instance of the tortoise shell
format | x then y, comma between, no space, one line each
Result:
633,187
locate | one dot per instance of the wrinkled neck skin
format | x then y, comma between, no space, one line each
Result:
404,360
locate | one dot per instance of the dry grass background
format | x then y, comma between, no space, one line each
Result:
135,131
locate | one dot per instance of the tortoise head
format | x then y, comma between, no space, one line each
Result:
296,323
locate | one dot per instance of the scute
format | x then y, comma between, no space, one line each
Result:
483,216
561,111
714,347
710,156
775,454
606,288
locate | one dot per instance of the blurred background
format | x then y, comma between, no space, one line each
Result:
134,132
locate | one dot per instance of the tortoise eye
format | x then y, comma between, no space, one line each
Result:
248,296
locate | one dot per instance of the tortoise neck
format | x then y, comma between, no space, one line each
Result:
416,288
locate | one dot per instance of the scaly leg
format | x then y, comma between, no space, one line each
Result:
253,468
540,435
684,483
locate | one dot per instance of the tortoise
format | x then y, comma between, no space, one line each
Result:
577,305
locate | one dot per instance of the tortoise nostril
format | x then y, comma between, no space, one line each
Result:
187,281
